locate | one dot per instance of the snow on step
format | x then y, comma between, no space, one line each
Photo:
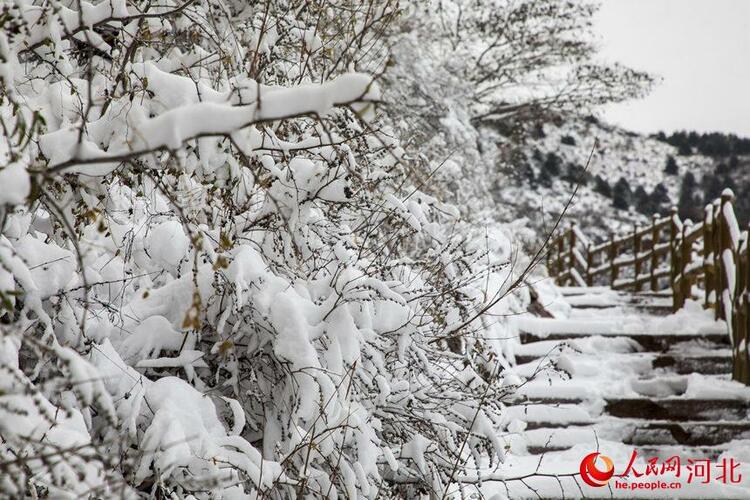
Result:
619,303
561,438
586,344
572,291
668,362
625,377
554,414
650,342
676,324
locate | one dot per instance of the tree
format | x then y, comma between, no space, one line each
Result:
508,65
742,205
550,169
659,199
511,46
714,185
642,201
733,163
622,195
568,140
684,149
602,187
713,144
671,167
688,205
575,174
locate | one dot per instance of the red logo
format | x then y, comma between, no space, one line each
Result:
593,476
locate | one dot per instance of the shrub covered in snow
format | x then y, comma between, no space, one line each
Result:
220,274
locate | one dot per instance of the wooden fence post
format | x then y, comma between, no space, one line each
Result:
674,260
612,258
725,244
654,254
548,257
589,266
572,251
741,359
686,257
716,244
709,278
560,261
636,252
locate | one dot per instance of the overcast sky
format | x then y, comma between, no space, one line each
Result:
701,48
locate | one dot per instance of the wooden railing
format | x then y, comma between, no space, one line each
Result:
707,261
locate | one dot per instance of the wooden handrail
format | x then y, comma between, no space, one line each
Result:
710,258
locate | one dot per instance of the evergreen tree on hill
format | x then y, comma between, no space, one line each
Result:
733,162
642,202
550,169
688,205
659,199
602,187
622,195
671,167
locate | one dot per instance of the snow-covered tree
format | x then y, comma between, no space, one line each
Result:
222,273
507,61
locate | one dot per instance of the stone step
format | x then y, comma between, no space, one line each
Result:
637,433
646,309
663,452
551,415
665,409
649,342
568,291
672,362
598,301
540,450
679,409
688,433
546,401
682,365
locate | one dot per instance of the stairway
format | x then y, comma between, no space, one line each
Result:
622,369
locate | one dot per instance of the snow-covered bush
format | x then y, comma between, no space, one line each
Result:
220,274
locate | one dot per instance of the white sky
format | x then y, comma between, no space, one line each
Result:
701,49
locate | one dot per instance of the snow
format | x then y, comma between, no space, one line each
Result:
167,243
689,321
15,184
415,450
51,267
152,336
173,127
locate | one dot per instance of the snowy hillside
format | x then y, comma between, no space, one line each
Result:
545,176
